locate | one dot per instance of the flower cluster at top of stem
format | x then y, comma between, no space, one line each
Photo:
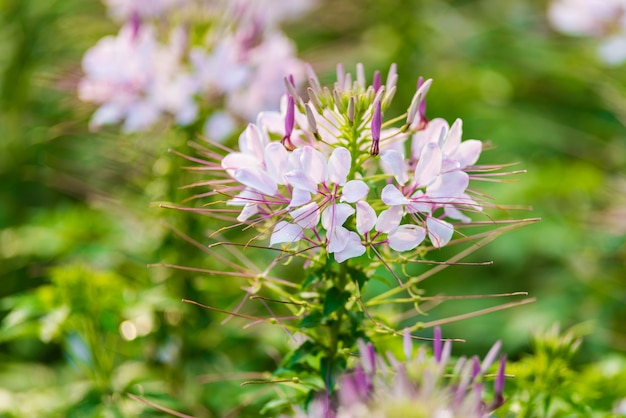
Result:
419,386
330,173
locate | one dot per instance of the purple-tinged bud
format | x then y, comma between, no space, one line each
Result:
289,123
351,110
338,101
135,23
380,94
292,92
360,75
407,344
377,123
313,80
417,109
498,387
475,367
315,100
389,97
499,383
310,117
392,77
437,344
376,84
341,77
491,356
368,357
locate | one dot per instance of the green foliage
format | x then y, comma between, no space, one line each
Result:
547,384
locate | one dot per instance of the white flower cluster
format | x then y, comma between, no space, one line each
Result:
235,71
342,180
602,19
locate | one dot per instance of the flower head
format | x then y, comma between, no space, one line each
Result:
420,386
334,176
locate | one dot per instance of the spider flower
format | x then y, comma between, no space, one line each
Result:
602,19
419,386
328,173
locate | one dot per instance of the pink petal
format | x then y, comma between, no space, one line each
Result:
248,210
335,215
429,165
299,197
392,196
394,163
353,248
365,217
339,164
236,160
276,159
453,139
389,219
252,142
314,164
299,179
256,179
285,232
306,216
432,133
353,191
440,232
337,239
449,185
468,152
406,237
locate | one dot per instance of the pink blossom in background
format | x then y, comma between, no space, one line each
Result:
123,10
238,67
602,19
136,79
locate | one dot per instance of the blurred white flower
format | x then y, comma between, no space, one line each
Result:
602,19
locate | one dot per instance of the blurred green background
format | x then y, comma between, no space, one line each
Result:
84,321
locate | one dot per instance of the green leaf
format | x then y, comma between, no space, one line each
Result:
312,320
335,299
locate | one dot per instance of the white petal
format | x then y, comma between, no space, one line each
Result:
432,133
256,179
354,248
389,219
392,196
339,164
299,197
306,216
276,159
252,142
468,152
454,213
314,164
453,139
440,232
395,164
246,197
406,237
429,165
299,179
365,217
449,185
247,211
335,215
337,239
285,232
353,191
236,160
